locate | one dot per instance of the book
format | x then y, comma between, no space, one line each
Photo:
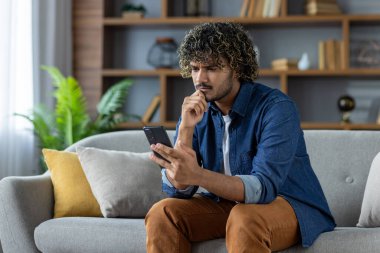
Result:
322,1
259,8
244,8
321,55
338,63
323,5
275,8
330,55
332,8
342,54
284,64
285,67
285,61
251,9
266,9
153,106
316,8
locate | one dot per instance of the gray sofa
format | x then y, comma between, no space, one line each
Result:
341,160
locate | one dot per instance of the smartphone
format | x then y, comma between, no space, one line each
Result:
157,134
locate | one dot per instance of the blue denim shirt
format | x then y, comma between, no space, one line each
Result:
267,151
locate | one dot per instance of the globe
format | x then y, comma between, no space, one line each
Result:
346,104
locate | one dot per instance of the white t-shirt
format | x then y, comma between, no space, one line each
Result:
226,145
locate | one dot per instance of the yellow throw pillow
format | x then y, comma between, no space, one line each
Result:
72,192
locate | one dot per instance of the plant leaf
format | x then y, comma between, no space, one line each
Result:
71,115
114,98
44,127
55,74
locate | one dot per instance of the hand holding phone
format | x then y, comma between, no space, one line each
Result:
157,134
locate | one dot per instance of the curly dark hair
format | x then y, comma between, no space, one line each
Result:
219,40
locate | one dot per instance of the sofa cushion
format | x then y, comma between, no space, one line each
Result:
126,184
98,235
91,235
72,193
370,212
347,240
342,160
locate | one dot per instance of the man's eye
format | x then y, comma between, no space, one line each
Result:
194,69
212,68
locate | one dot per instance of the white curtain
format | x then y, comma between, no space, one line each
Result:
32,33
52,44
17,155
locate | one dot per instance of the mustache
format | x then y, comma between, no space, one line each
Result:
203,85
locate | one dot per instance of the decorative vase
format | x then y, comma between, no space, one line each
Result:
304,62
163,53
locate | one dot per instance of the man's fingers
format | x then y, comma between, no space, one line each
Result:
200,94
159,161
165,151
195,104
203,99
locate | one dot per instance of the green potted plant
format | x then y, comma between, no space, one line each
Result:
133,11
70,121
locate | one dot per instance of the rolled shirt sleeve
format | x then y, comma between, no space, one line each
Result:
252,188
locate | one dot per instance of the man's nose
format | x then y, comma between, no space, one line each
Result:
202,76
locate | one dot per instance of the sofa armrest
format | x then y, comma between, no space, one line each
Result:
25,202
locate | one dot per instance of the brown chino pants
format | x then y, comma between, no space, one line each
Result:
172,224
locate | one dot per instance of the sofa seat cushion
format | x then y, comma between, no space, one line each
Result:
344,239
98,235
92,235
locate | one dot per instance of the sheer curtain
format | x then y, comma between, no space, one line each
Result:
32,33
17,153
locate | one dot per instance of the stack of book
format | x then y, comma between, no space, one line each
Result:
284,64
261,8
322,7
331,55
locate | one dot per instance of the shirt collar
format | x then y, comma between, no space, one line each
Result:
241,101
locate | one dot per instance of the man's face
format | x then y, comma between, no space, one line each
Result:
215,82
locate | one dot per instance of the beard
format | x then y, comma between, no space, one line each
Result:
223,90
221,93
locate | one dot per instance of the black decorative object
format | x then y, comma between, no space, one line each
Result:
196,8
163,53
133,11
346,104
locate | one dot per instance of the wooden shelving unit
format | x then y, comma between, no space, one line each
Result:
284,20
91,73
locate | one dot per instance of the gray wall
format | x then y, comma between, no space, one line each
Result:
316,97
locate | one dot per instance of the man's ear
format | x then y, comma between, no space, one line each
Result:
235,75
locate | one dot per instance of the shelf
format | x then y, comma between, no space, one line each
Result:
92,29
139,125
348,72
295,19
138,72
262,72
340,126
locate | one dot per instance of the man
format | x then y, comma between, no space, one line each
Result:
239,144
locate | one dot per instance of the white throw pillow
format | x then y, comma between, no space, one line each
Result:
125,184
370,212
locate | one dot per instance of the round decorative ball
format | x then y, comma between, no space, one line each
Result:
346,103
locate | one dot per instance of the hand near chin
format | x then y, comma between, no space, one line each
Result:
193,108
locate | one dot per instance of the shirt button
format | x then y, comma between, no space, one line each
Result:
349,180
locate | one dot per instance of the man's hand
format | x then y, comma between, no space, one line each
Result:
183,170
193,108
182,167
